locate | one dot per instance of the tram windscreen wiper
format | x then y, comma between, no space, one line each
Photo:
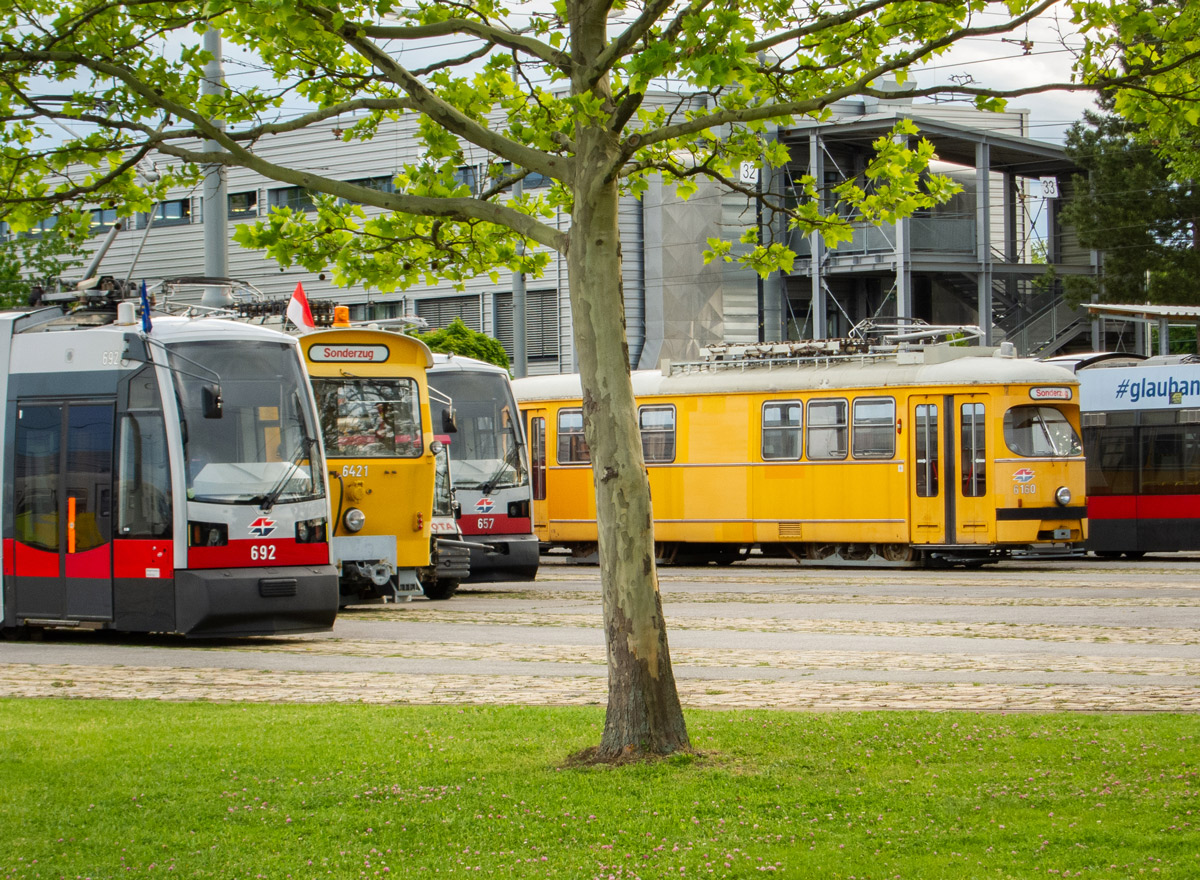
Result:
512,459
266,502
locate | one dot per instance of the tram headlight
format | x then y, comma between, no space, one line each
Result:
354,519
1063,496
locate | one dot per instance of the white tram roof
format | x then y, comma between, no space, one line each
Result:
33,342
866,371
446,363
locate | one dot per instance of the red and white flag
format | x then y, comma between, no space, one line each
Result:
298,311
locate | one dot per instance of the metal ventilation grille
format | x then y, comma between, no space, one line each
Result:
272,587
789,530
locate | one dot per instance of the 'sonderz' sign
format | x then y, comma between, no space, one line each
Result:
1055,393
359,354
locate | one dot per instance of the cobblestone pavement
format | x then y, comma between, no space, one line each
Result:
1086,636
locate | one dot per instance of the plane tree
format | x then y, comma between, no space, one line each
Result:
598,96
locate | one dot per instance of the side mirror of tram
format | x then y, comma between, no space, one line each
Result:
449,421
210,398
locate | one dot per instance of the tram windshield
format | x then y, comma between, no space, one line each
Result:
1036,431
488,450
262,449
370,418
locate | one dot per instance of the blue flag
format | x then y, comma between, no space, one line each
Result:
145,308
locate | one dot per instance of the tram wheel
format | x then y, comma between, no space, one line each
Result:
1134,554
820,551
895,552
442,588
1108,554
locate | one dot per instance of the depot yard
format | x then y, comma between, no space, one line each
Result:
323,755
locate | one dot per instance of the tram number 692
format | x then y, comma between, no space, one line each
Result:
262,552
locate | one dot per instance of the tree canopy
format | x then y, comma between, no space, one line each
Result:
598,96
458,338
1128,206
38,260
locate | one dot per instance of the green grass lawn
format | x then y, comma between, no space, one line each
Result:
116,789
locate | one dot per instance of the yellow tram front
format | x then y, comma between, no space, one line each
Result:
373,401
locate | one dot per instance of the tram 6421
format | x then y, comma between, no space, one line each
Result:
373,399
169,481
934,454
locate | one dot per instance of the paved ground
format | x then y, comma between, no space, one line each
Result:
1086,636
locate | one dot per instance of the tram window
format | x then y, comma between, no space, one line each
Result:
370,418
827,430
88,473
1112,460
1171,456
782,421
1037,431
36,469
657,426
927,439
144,478
874,427
974,450
572,445
537,455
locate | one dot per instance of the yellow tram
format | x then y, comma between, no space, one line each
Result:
373,402
950,454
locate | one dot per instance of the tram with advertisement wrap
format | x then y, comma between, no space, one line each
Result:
491,467
373,402
1141,434
159,477
946,454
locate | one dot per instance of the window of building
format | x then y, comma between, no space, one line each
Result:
177,212
103,219
34,231
440,312
383,184
572,446
243,204
657,424
541,325
295,197
827,430
782,422
874,427
468,176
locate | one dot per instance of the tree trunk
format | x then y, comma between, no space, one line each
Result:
644,714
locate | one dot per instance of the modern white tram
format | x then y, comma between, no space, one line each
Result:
491,467
161,481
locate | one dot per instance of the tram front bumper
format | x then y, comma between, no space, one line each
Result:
220,603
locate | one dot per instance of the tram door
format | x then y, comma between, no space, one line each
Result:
927,503
62,517
535,430
973,508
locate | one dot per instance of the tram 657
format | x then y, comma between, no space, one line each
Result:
169,481
491,467
924,455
